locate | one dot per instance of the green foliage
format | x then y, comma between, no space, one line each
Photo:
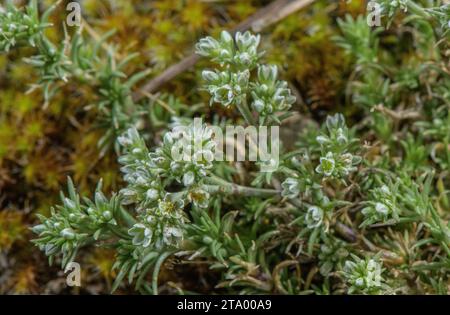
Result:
75,223
350,210
22,28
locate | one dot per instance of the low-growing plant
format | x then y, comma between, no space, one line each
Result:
348,210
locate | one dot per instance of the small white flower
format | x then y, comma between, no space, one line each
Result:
291,188
341,138
327,165
152,194
322,139
314,217
385,189
68,233
188,179
381,208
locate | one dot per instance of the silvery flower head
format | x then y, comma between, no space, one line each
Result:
192,151
337,134
337,165
269,94
241,53
327,165
161,226
291,188
382,207
221,51
247,50
226,87
314,217
199,197
363,275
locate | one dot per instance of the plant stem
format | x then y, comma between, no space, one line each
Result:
223,186
246,113
417,9
155,275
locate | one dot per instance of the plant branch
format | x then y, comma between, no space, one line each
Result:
222,186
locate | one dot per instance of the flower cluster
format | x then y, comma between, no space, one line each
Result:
186,154
232,84
160,220
184,157
363,275
240,52
382,207
161,226
227,88
336,160
238,56
269,94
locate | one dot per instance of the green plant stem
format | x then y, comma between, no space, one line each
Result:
221,185
417,9
246,113
158,265
118,232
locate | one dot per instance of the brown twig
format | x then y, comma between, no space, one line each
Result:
265,17
397,115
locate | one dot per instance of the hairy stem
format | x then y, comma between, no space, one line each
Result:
222,186
246,113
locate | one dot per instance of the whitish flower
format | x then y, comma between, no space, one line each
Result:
161,226
221,51
192,151
382,207
152,194
142,235
326,166
291,188
363,275
314,217
247,49
269,94
227,88
199,197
